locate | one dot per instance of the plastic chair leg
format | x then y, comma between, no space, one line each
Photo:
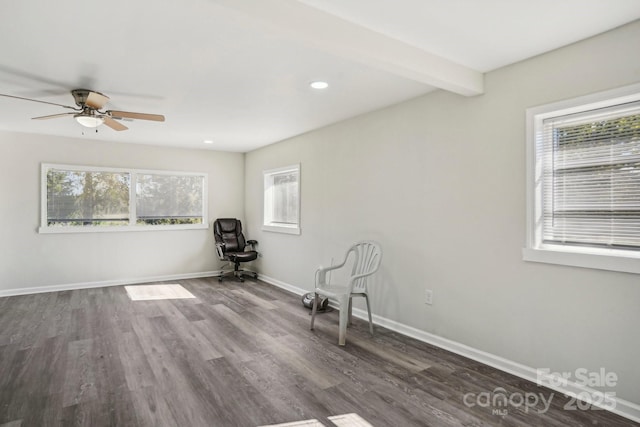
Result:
314,310
366,297
344,319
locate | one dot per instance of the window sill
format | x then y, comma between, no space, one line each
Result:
282,229
601,259
106,229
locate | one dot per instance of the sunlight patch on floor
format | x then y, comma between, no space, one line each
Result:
349,420
156,292
305,423
346,420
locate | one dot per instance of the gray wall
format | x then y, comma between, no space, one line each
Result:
29,259
440,182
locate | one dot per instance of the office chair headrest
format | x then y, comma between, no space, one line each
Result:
229,225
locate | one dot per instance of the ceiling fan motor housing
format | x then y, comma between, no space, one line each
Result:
80,96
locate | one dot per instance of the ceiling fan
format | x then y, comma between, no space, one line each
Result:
89,111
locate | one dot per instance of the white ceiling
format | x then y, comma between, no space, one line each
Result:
238,71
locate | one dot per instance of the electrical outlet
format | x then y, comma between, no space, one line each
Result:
428,296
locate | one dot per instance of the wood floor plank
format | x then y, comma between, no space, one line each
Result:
79,326
256,318
10,383
254,300
193,338
186,405
267,293
226,387
214,293
120,309
150,342
292,397
304,366
188,309
225,334
151,408
138,374
60,315
79,383
242,324
34,332
232,347
239,354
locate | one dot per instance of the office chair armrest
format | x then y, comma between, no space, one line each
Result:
220,250
252,242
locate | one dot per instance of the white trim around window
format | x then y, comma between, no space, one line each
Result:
137,200
281,207
551,196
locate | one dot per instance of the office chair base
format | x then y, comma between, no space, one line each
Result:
237,273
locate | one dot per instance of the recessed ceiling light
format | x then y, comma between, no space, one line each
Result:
319,85
208,141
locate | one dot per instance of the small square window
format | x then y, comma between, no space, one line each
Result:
282,200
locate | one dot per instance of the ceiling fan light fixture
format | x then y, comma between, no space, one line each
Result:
89,121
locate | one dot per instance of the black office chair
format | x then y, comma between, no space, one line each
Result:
231,247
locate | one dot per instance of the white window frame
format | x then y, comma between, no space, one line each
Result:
132,226
577,256
268,224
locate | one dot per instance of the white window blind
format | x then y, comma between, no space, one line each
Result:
285,206
282,200
87,198
590,174
169,199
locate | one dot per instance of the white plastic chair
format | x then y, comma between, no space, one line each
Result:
367,260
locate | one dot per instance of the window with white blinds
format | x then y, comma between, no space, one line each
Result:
86,198
584,181
282,200
591,178
169,198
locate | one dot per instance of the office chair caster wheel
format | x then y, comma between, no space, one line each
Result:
255,275
220,279
242,279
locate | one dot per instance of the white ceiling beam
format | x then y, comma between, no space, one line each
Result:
334,35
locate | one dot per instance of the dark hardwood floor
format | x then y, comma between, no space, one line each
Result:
240,354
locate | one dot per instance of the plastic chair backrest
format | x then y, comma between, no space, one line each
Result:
368,256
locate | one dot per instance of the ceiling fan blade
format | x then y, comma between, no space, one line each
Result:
113,124
53,116
140,116
42,102
96,100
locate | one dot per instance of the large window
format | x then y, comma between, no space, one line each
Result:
84,198
282,200
584,178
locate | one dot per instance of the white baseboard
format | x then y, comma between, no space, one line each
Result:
616,405
102,284
282,285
